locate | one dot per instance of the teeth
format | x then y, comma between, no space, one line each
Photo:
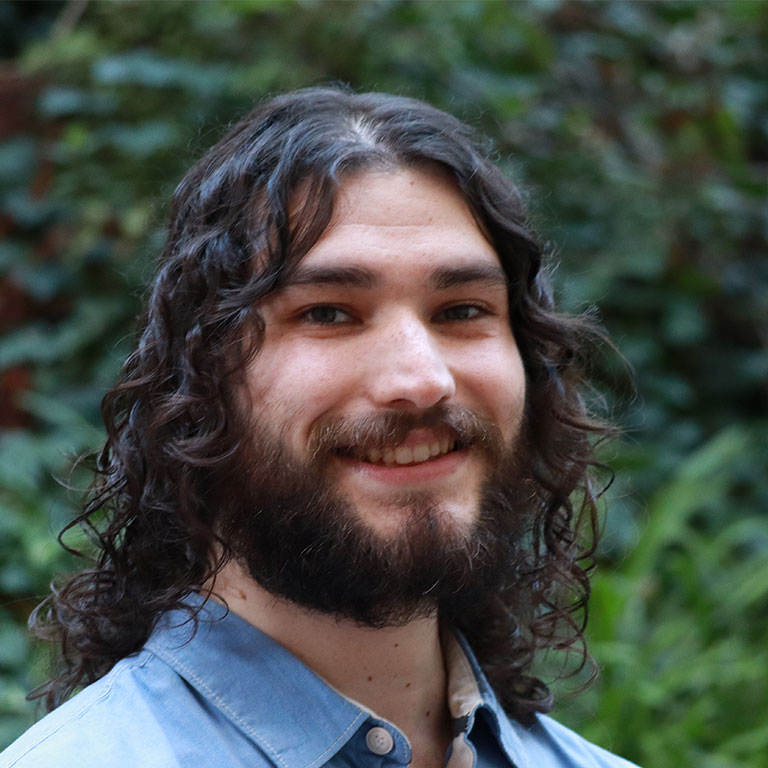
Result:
421,453
402,455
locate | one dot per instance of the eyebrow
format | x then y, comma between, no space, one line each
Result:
352,277
451,277
441,279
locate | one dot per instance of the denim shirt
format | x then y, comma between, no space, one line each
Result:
232,697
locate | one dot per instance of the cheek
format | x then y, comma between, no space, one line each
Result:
496,376
298,382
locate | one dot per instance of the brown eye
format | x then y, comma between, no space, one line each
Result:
325,314
461,312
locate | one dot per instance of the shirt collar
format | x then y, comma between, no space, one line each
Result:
264,690
267,700
469,691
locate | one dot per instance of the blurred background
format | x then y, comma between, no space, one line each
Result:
639,131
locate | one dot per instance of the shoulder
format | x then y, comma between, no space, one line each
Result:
548,743
141,713
83,731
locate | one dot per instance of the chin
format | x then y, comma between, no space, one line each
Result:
389,521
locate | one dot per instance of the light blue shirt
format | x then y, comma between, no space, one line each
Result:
232,697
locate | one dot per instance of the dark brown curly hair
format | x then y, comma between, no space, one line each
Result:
172,421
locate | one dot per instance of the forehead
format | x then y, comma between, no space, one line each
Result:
397,218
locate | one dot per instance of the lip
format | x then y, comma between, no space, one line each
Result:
409,474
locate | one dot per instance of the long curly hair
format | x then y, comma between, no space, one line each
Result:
236,230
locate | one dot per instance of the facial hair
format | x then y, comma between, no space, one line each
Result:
281,518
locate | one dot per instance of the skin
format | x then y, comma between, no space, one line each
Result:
401,304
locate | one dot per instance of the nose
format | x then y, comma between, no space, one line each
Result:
408,367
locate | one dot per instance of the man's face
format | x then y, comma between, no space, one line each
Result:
398,312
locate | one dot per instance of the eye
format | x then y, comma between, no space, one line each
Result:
462,312
325,314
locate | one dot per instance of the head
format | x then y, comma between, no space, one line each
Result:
384,404
350,360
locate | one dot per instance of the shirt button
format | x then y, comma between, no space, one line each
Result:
379,740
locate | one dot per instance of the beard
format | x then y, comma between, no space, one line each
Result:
280,517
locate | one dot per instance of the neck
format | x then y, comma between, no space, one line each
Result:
397,672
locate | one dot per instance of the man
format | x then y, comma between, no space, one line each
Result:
334,510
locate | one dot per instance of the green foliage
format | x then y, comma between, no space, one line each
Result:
679,626
639,131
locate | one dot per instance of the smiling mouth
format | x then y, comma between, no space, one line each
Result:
404,456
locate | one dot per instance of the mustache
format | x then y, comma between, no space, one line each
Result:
388,428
